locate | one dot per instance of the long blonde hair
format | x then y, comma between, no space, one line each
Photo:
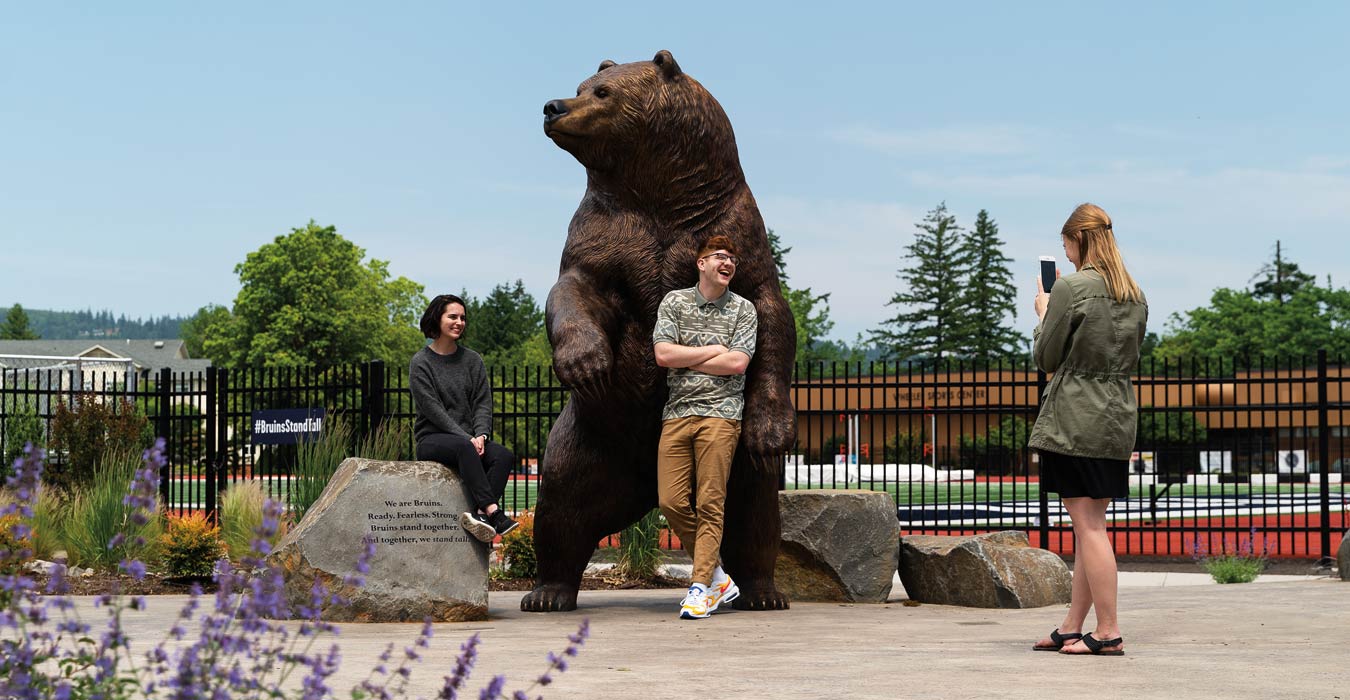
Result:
1089,228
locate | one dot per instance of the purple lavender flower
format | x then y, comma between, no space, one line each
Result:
239,650
493,689
468,655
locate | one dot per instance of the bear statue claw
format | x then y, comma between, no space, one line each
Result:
549,598
585,370
768,428
770,599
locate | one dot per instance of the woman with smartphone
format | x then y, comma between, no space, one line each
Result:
1091,326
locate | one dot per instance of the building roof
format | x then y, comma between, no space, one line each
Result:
145,354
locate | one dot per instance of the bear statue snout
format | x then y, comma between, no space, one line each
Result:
554,109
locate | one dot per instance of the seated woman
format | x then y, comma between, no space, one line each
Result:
453,400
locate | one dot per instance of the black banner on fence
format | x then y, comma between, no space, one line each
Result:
286,426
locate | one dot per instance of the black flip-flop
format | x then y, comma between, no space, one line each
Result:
1095,646
1059,639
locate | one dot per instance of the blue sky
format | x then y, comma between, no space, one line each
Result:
148,147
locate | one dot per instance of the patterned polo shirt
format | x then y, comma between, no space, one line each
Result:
686,318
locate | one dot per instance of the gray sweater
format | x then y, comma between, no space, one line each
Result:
451,393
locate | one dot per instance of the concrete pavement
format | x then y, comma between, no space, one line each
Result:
1283,637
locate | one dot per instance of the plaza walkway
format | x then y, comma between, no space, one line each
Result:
1280,637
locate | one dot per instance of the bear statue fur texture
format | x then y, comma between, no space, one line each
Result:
662,176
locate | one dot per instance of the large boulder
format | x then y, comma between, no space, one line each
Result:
837,545
424,564
1343,557
994,570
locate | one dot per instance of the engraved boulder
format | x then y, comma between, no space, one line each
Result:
424,564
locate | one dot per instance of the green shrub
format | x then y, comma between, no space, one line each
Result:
241,513
640,548
1234,568
49,511
316,461
22,426
89,432
391,441
904,448
15,551
1238,565
96,513
190,545
1159,428
518,548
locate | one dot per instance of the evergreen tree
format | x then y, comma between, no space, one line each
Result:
988,293
16,325
779,256
1281,278
502,321
810,311
932,320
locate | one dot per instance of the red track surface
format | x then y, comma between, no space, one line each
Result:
1177,538
1299,537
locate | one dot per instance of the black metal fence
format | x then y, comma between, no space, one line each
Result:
1232,455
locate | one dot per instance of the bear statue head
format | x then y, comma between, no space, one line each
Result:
647,119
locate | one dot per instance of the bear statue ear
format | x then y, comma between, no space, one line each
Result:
666,62
605,64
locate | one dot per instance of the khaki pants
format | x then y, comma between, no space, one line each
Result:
694,460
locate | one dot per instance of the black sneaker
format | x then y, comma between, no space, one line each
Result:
477,524
501,523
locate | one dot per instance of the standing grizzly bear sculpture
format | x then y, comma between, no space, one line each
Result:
662,175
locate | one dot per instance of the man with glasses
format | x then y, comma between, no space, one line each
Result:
705,336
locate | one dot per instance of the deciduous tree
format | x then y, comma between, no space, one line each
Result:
1285,315
307,299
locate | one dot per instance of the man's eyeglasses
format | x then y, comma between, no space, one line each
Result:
722,257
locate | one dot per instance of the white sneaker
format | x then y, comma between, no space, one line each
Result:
695,603
723,591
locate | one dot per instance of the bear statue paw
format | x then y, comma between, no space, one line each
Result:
584,369
550,597
762,599
769,433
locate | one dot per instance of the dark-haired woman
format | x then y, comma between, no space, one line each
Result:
1092,324
453,400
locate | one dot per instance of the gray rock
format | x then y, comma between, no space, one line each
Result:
1343,557
424,564
994,570
837,545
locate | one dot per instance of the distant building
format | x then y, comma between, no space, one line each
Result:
99,364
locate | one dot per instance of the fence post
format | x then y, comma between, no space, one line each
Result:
1043,496
1324,454
162,426
212,449
216,482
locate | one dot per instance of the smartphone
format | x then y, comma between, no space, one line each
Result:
1047,272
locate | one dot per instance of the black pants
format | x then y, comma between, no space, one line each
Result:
485,476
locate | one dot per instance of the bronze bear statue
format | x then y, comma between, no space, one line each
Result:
663,175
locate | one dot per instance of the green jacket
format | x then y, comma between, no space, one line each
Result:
1090,342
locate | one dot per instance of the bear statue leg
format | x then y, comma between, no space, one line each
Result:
590,490
753,531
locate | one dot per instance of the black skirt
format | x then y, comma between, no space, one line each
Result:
1078,477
